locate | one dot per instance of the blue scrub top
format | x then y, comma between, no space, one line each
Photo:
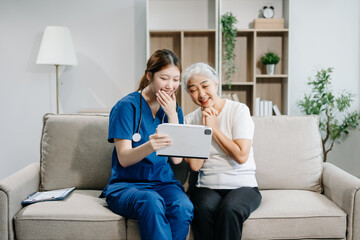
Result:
123,123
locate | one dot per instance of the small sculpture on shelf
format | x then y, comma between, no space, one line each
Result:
270,59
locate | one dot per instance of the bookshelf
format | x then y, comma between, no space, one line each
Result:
196,37
250,80
192,36
190,46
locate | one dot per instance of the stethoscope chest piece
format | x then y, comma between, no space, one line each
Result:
136,137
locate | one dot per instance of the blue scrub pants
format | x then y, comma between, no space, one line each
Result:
163,211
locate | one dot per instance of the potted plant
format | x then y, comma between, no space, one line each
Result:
270,59
334,119
229,38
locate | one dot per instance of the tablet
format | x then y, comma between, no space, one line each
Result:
192,141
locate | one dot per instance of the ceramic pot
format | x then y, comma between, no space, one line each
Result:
270,69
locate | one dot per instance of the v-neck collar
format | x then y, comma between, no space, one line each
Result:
159,114
225,106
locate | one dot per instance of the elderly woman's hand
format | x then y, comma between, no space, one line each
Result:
209,117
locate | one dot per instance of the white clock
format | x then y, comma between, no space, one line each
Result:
268,12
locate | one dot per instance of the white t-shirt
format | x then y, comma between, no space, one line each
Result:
219,171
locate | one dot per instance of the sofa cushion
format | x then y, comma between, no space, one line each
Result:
288,152
295,214
285,214
132,231
75,152
82,214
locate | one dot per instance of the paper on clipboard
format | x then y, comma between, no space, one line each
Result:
52,195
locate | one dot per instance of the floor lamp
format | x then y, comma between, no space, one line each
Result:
56,49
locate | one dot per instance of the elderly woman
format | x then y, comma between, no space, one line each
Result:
226,191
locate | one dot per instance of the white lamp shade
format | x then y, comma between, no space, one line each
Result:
56,47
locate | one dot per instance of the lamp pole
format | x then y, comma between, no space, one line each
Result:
56,49
57,88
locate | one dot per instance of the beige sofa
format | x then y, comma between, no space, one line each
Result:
302,197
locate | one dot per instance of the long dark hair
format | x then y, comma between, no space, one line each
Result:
159,59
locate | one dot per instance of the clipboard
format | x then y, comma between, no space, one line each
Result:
188,141
52,195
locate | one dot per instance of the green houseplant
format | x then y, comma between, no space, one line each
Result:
270,59
334,119
229,32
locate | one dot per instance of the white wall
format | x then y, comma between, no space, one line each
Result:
109,40
246,10
181,14
325,33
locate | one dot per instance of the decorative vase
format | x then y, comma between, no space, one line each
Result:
270,69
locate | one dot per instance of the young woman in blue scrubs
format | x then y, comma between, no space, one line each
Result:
142,185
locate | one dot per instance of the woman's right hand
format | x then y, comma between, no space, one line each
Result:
158,141
168,104
128,155
209,117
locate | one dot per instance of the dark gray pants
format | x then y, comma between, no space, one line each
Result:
220,214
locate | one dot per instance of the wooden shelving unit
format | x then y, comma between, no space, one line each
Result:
250,80
190,32
204,44
191,46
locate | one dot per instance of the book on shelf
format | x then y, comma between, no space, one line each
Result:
257,107
235,97
231,96
262,107
226,96
265,108
276,110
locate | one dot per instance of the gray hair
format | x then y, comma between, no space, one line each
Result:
198,68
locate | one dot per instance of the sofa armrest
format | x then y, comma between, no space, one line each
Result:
13,190
344,189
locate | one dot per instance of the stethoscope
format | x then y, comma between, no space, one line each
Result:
137,136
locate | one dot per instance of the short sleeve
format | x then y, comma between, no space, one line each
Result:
243,125
121,121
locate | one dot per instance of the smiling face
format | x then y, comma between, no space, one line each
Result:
167,80
203,91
